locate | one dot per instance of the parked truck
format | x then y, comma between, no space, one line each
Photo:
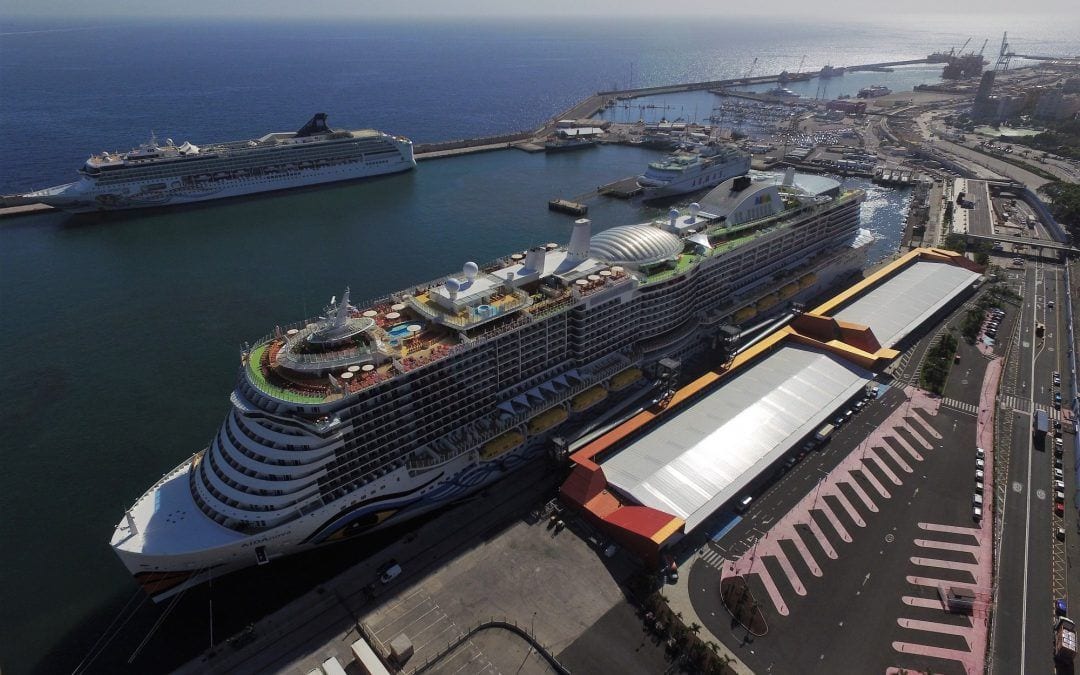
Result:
1065,640
1040,424
824,433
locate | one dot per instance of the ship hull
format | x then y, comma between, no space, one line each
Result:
700,180
85,196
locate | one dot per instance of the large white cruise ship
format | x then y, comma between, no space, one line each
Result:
169,174
690,170
375,413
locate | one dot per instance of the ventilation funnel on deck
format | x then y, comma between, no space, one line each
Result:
578,250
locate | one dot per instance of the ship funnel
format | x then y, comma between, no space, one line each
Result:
534,260
789,176
673,217
694,208
578,249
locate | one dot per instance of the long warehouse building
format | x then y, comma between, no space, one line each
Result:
664,472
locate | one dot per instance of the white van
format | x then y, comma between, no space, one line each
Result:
390,573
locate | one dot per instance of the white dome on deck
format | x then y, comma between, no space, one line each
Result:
634,245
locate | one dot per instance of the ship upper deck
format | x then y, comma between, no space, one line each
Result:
433,321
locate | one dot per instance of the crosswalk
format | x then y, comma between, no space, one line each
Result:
962,406
1024,405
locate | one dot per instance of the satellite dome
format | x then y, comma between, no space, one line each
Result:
470,270
634,245
453,285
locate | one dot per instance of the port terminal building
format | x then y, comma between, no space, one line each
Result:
664,472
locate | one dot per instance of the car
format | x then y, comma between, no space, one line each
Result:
979,464
839,421
976,513
610,551
1057,464
979,488
848,413
980,453
1059,497
978,476
1049,304
1059,485
1057,425
389,573
1059,509
1057,397
670,568
860,404
991,333
1059,474
977,500
743,504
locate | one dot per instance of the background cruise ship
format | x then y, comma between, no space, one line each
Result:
165,175
693,169
379,412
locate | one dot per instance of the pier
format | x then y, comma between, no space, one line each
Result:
12,206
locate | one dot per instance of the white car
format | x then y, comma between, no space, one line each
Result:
978,476
980,453
976,513
979,464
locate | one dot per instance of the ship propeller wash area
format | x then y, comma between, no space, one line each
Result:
661,474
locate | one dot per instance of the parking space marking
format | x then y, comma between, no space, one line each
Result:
842,498
885,469
970,568
934,627
948,546
896,457
902,442
916,415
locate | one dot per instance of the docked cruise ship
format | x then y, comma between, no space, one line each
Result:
170,174
375,413
692,170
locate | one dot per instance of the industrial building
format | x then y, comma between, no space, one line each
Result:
663,473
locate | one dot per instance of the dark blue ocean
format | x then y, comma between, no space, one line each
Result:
122,334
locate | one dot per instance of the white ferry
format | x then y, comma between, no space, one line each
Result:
689,170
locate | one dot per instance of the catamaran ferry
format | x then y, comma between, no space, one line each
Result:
169,174
377,412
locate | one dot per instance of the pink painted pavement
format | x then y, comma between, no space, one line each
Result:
829,486
974,660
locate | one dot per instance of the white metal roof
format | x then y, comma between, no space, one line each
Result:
897,306
710,451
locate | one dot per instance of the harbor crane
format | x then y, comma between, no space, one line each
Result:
984,46
961,50
1004,55
750,70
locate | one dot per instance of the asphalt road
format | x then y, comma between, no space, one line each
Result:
1024,608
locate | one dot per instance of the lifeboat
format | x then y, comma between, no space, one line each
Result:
547,419
745,314
588,398
767,301
625,378
789,290
501,444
